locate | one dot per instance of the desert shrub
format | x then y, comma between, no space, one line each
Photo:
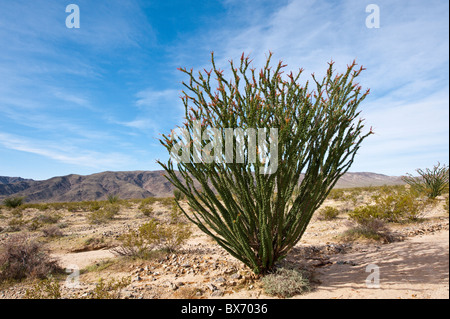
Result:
369,228
132,244
113,198
34,225
394,206
47,218
171,237
285,283
21,257
13,202
336,194
104,214
148,211
147,201
18,211
52,232
432,182
328,213
109,290
15,224
152,235
94,206
47,288
58,206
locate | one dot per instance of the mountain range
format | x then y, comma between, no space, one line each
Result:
131,184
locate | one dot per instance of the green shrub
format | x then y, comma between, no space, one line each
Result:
13,202
34,225
133,244
113,198
150,236
285,283
336,194
432,182
328,213
104,214
44,289
16,223
110,289
391,207
94,206
171,237
47,218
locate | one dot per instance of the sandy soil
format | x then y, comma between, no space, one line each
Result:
416,267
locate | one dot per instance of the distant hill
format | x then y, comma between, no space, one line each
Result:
131,184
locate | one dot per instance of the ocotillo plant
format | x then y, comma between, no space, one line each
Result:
245,206
432,182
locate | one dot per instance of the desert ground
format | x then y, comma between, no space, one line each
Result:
413,265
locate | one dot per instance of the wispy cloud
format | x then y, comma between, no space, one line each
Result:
64,153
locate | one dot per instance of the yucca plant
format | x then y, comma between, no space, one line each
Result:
246,203
433,182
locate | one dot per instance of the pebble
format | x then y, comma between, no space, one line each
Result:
217,293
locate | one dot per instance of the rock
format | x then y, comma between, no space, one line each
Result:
137,278
217,293
211,287
173,286
236,276
220,279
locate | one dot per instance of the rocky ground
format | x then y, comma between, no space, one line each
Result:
413,266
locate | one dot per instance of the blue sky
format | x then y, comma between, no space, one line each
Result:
95,98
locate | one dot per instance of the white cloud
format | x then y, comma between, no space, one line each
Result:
63,152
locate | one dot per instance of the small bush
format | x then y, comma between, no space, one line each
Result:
369,228
171,237
336,194
147,211
132,244
328,213
94,206
17,212
113,198
13,202
150,236
394,206
52,232
21,257
34,225
285,283
44,289
47,218
104,214
109,290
